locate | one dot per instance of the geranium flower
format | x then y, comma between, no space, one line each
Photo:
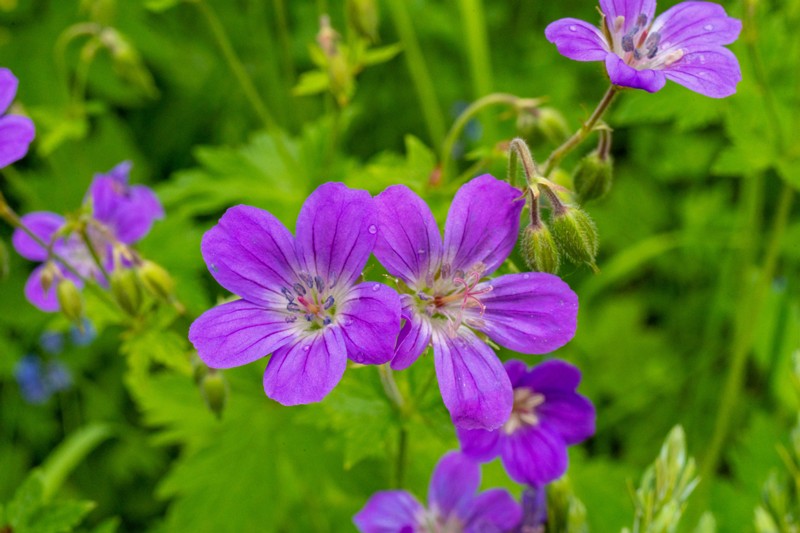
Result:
120,215
16,132
684,44
548,416
453,505
449,303
301,300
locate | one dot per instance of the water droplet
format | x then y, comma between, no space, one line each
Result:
348,321
421,251
376,287
708,27
373,229
573,28
702,59
526,276
306,348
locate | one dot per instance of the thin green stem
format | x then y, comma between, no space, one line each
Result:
579,136
423,82
750,306
519,151
246,83
480,67
400,405
461,122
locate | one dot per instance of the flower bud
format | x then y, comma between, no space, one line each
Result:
363,16
69,299
542,124
215,391
199,370
126,290
576,235
592,177
156,280
539,250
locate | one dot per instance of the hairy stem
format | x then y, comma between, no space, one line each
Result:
399,403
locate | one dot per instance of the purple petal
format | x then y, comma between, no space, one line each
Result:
534,455
577,40
16,135
414,337
630,9
336,231
43,224
482,225
8,89
128,211
695,26
36,295
454,482
250,253
475,387
370,322
569,414
532,313
479,444
120,173
713,73
306,371
237,333
627,76
494,510
517,371
552,375
409,245
391,511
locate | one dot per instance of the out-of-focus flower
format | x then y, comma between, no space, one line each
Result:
38,380
684,44
121,215
453,505
301,300
52,342
84,335
548,416
448,302
16,132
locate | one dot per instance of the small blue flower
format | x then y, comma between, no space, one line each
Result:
38,381
84,335
52,342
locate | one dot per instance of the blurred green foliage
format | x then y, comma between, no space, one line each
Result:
692,319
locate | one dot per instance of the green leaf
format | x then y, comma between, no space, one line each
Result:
312,82
161,5
59,517
376,56
27,500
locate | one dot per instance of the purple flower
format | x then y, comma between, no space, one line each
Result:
448,303
453,505
684,44
534,511
121,215
548,416
300,298
16,132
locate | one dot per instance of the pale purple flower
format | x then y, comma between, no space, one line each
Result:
449,304
121,215
548,416
453,505
684,44
534,511
301,300
16,132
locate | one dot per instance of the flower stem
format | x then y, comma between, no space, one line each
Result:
749,307
93,252
399,403
246,83
423,83
519,151
463,119
579,136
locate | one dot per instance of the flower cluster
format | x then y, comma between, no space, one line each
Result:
16,132
684,44
117,215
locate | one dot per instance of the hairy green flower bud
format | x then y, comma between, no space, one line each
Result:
592,177
364,18
539,250
126,290
69,299
576,235
214,389
156,280
540,124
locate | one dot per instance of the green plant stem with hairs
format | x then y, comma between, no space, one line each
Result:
401,406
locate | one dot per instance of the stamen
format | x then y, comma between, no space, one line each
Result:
292,306
286,292
320,283
309,317
651,44
627,42
328,303
422,296
291,318
673,57
445,271
299,289
307,279
619,23
641,20
326,321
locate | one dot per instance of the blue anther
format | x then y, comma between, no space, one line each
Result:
326,321
320,283
286,292
627,42
641,20
309,317
328,303
299,289
422,296
291,318
307,279
292,306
